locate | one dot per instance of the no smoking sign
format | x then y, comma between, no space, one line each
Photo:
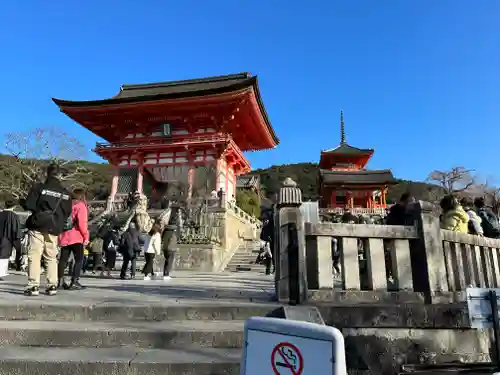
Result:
286,359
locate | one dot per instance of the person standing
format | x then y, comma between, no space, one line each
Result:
398,213
152,249
489,221
453,215
50,206
129,247
73,240
267,235
169,247
10,236
110,244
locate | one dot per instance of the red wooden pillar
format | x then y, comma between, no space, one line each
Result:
140,177
190,174
190,181
114,181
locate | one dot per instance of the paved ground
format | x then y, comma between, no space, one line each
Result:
185,287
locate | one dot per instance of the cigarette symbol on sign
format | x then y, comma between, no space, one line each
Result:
286,359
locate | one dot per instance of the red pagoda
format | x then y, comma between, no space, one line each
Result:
192,132
344,181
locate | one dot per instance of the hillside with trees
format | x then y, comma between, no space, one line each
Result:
306,176
30,152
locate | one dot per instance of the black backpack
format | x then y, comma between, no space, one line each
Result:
489,222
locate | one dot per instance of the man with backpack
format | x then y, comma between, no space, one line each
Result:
489,221
50,206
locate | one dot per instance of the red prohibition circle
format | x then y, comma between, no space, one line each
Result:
276,352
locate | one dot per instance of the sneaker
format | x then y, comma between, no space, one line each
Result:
166,278
32,291
51,290
75,285
147,278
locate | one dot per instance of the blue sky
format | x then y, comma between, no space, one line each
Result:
419,81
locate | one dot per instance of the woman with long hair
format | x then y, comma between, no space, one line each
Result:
73,240
152,248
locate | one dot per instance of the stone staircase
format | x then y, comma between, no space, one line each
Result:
174,340
194,325
244,258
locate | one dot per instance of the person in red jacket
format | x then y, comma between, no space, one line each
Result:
73,240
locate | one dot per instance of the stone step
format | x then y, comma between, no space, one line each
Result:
123,361
247,251
244,256
252,266
243,259
109,334
107,311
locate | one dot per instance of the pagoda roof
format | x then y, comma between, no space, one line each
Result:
358,177
346,149
183,89
130,93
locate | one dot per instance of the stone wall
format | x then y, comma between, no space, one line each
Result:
380,338
204,258
236,227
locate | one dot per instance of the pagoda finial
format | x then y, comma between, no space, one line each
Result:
342,128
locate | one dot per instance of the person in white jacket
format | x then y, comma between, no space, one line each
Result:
152,248
475,221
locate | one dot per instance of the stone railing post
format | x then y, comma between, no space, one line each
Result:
289,246
427,257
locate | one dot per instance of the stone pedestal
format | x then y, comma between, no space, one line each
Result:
290,248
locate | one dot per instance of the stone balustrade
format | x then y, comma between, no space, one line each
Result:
392,258
419,259
471,260
355,211
238,211
364,250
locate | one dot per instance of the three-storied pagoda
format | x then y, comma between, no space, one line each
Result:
164,135
344,181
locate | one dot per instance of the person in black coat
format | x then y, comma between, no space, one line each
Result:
110,245
50,206
129,247
398,214
10,236
267,235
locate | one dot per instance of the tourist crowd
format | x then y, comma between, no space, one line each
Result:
463,215
57,230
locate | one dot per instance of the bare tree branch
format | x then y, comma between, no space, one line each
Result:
456,180
29,154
